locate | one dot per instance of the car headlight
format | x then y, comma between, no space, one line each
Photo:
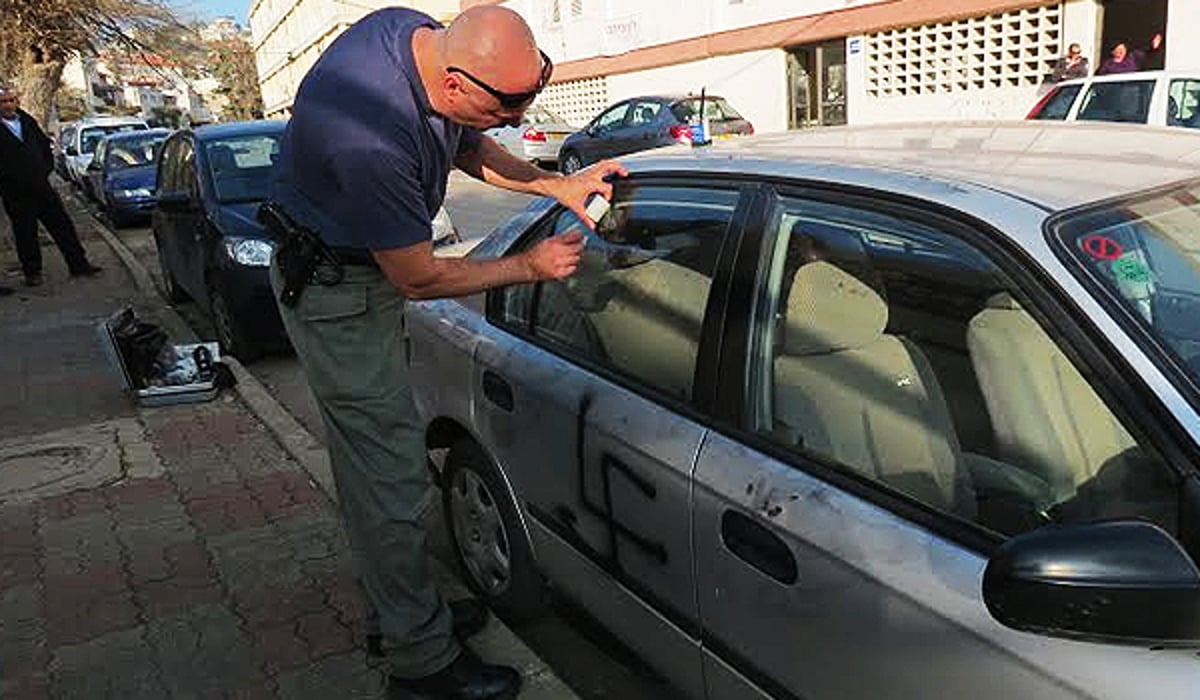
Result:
252,252
138,193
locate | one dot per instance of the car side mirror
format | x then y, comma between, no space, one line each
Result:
1120,581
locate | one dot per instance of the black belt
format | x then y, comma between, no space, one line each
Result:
355,256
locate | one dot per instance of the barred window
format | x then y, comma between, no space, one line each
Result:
577,101
1010,49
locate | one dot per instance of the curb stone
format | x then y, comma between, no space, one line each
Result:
496,642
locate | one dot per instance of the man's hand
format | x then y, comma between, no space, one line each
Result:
574,190
556,257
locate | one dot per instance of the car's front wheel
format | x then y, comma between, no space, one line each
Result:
571,162
488,538
231,334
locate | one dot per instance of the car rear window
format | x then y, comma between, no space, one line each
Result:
715,108
1127,101
1058,103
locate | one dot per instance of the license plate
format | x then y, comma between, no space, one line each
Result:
555,138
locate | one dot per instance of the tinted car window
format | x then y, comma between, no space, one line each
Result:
715,108
1058,103
613,118
899,354
241,166
1127,101
637,302
92,135
132,152
1183,103
644,113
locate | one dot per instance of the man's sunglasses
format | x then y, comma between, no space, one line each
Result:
513,100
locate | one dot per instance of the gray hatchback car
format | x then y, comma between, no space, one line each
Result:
889,412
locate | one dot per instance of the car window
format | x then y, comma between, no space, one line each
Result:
1146,253
1127,101
92,135
1183,103
636,305
538,116
644,113
613,118
101,148
900,355
131,152
1057,104
715,108
241,166
187,169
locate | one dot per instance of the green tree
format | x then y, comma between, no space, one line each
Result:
37,37
232,64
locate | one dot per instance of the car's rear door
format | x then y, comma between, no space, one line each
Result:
898,407
590,396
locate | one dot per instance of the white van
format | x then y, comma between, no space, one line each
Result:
1157,98
86,135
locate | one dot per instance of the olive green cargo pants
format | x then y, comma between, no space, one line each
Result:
350,341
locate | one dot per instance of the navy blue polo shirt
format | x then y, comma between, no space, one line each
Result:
364,160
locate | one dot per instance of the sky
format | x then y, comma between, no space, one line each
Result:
208,9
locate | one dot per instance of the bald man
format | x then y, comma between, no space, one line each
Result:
387,110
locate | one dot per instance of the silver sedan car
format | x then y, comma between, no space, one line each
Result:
889,412
537,138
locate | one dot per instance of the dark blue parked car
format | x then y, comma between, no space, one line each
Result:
122,174
210,247
642,123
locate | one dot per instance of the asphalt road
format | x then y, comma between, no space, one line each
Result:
594,664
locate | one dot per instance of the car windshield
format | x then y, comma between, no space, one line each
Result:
92,135
241,166
1145,252
1058,104
715,108
539,116
133,151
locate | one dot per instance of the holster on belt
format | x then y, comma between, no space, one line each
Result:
298,252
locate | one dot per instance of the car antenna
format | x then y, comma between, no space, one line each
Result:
703,140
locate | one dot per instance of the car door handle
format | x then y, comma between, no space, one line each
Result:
498,391
756,545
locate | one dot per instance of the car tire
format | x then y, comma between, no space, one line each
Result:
171,288
231,334
493,551
571,163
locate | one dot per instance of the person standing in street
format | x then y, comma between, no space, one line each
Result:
26,162
378,122
1122,60
1073,65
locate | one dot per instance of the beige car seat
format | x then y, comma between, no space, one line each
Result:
1047,419
847,390
649,324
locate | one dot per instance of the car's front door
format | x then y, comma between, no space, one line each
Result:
190,223
904,408
602,134
642,128
592,398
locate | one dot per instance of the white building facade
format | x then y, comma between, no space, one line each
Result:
829,62
289,35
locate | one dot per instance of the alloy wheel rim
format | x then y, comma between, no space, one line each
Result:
573,163
479,533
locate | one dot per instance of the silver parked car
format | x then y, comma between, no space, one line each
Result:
888,412
537,138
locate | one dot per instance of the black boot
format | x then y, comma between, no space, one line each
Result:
467,678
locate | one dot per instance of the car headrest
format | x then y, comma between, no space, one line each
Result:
829,310
222,158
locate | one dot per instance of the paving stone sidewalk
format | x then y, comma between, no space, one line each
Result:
174,552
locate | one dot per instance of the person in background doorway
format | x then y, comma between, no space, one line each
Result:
25,166
1122,60
1073,65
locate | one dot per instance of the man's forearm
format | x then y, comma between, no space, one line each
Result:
493,164
456,277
